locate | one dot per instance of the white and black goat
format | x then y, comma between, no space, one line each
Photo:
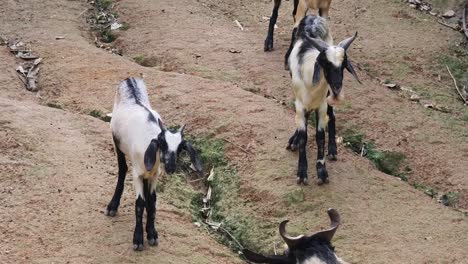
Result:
300,10
317,72
313,249
140,136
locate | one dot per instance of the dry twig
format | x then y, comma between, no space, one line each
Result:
239,25
465,100
237,146
465,16
456,28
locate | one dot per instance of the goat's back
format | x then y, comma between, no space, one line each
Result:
314,27
132,91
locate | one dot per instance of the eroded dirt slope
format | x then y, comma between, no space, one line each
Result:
392,45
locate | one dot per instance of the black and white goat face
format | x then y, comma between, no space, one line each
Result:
170,143
333,60
314,249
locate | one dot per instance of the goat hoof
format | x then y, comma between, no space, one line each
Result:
319,181
322,175
112,208
292,147
152,237
268,45
138,247
332,157
111,213
304,181
153,242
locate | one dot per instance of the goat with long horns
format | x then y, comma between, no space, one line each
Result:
313,249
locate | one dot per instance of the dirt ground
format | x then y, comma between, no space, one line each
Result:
55,160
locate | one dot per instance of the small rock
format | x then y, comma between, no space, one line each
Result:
412,6
234,51
415,98
115,26
392,86
197,224
425,8
432,13
449,14
428,238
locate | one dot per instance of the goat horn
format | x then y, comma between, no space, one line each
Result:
290,241
319,44
181,129
335,221
347,42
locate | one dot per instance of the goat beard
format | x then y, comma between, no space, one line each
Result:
335,99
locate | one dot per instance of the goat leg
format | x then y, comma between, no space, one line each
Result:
332,150
271,27
150,197
322,174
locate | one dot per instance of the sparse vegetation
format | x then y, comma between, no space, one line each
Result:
294,197
457,61
100,115
450,199
139,59
389,162
106,35
226,204
312,120
369,69
103,5
401,71
55,105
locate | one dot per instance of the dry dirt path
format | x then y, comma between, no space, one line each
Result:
385,220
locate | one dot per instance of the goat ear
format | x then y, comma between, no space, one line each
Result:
257,258
350,68
150,154
347,42
316,76
319,44
193,155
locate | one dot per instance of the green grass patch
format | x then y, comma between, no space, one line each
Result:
140,59
389,162
55,105
312,120
103,5
401,71
106,35
353,140
450,199
457,61
367,67
294,197
386,161
100,115
228,207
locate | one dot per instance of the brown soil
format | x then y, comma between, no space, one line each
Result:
57,160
